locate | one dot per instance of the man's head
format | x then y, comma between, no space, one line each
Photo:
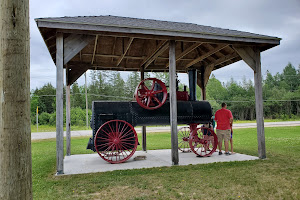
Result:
224,105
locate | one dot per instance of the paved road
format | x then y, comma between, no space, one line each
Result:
48,135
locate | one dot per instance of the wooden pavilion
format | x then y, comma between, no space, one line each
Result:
130,44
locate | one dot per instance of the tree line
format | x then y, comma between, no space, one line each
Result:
281,94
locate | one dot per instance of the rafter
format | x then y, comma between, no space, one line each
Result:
95,48
158,53
224,59
159,46
185,52
124,53
209,53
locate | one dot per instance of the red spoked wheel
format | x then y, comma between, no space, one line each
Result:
151,93
203,141
183,139
116,141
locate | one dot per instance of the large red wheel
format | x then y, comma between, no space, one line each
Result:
151,93
116,141
183,139
203,141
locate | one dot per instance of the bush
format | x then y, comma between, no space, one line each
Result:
44,118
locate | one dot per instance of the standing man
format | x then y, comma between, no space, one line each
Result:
224,120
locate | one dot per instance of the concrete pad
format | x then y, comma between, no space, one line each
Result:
92,163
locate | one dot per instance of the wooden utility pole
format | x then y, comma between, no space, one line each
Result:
86,103
15,133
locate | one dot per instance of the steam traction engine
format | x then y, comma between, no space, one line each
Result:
114,136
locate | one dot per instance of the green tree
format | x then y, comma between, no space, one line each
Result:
46,98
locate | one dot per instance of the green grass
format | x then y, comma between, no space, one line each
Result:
277,177
48,128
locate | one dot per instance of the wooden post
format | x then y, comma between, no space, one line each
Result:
59,103
68,121
15,133
251,56
144,135
173,103
259,107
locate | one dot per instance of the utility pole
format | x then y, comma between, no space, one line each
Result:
15,133
86,103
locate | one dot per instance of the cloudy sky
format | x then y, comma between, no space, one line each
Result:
268,17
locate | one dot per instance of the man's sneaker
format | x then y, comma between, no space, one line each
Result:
220,153
227,153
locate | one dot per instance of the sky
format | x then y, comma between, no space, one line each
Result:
268,17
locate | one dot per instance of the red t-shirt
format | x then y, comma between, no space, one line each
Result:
222,117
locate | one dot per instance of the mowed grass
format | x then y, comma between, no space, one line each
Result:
277,177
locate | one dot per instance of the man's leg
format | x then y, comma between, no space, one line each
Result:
220,135
226,145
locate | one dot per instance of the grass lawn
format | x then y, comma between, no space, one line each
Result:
277,177
48,128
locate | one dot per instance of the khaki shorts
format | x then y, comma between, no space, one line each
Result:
224,135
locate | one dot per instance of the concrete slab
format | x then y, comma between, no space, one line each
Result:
92,163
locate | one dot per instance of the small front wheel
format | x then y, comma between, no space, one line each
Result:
203,141
183,139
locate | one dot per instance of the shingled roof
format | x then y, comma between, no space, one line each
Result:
149,24
123,43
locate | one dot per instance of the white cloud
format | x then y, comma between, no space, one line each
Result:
269,17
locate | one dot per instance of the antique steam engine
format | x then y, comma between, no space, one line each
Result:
114,136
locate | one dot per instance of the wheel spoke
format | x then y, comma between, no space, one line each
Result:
157,100
157,91
153,85
144,87
148,101
127,133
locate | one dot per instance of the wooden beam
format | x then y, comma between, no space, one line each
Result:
259,106
159,46
185,52
95,48
75,73
207,72
124,53
158,53
59,103
247,54
144,135
224,59
68,121
113,49
173,104
73,45
207,54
